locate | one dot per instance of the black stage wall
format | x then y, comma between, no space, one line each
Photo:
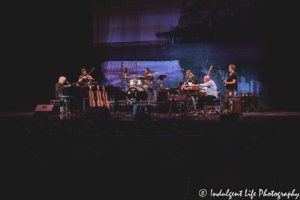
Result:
45,40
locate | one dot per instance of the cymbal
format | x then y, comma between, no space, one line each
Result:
126,78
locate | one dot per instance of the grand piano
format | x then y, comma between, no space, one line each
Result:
78,94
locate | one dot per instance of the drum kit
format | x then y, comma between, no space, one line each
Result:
141,83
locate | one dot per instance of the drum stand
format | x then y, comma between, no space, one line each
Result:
188,102
170,108
251,107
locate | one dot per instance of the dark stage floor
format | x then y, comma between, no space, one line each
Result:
124,116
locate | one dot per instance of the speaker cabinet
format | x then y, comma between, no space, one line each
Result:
101,111
237,107
46,108
43,111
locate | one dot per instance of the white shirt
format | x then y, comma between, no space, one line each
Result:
211,88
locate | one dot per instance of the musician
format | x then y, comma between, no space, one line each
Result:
59,86
84,77
190,77
148,80
147,75
211,92
58,91
231,83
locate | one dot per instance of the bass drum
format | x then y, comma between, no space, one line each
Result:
132,91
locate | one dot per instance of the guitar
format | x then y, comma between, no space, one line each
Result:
217,75
99,98
209,70
106,103
180,78
91,95
223,80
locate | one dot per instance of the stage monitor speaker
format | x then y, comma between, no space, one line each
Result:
101,111
43,111
46,108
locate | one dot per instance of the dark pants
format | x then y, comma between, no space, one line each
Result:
208,98
66,101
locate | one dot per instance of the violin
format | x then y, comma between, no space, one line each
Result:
99,98
91,94
87,76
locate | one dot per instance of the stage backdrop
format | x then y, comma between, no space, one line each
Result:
176,35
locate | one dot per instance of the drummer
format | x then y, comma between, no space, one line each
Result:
147,79
148,76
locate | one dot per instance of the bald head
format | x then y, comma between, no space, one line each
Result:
207,78
62,79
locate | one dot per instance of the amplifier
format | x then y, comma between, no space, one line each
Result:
237,107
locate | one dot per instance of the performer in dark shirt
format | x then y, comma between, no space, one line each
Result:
84,78
147,79
190,77
147,75
59,86
231,83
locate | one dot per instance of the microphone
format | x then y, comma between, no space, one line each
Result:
68,82
111,80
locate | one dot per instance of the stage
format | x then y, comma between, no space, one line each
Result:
278,116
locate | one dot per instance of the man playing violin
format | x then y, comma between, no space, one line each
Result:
84,77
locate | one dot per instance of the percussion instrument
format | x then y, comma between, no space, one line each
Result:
132,82
132,91
139,82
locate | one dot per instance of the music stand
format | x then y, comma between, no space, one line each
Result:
162,77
